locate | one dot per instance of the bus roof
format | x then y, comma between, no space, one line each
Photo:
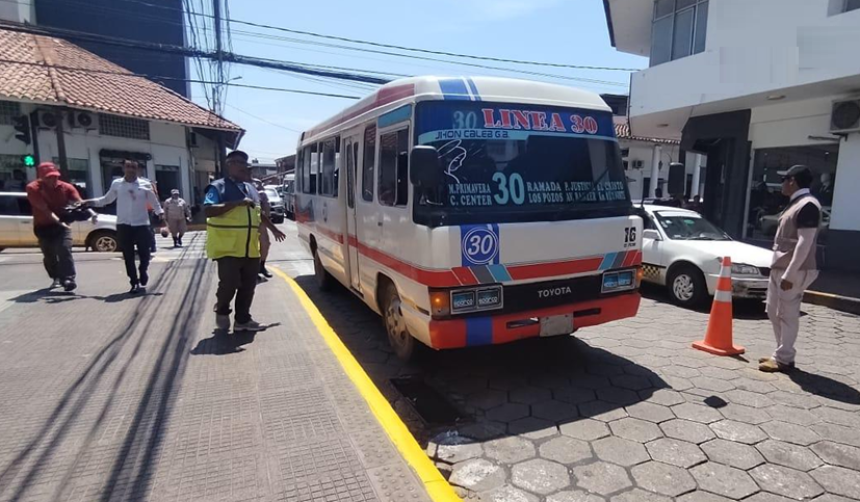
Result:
493,89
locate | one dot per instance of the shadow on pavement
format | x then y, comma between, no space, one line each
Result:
223,343
826,387
132,467
519,388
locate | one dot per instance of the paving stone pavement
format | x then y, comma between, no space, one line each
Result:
649,418
107,397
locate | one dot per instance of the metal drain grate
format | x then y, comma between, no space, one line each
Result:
430,405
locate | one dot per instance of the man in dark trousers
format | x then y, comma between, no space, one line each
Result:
233,220
133,197
49,197
794,267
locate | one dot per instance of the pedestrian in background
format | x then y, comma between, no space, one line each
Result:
177,213
794,266
133,196
49,197
233,222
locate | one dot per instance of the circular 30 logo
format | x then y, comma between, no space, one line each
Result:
480,246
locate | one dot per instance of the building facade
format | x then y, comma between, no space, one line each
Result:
61,103
648,159
152,21
756,86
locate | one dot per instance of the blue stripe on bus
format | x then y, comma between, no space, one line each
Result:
500,273
474,89
395,116
479,331
454,89
608,260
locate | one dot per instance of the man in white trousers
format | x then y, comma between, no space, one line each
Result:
794,266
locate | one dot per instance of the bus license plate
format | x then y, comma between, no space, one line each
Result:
556,325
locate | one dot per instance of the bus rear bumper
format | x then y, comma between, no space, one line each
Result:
505,328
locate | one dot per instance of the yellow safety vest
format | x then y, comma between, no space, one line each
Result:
235,233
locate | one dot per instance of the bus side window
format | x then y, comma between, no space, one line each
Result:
312,186
307,183
369,163
328,173
394,168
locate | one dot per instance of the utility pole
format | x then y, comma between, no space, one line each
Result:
216,90
61,144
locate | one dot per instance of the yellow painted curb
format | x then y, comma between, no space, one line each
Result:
437,487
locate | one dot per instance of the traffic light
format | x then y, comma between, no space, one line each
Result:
28,160
22,125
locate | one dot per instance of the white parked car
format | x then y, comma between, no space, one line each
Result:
276,202
16,226
682,250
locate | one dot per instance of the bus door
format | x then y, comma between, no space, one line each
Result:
351,146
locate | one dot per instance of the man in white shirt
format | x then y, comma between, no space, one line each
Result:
794,266
133,197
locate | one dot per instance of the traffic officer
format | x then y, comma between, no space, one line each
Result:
233,240
794,267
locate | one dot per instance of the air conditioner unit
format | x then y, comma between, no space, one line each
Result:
845,116
638,164
83,120
48,119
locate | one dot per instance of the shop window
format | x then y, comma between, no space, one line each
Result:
123,127
766,200
13,175
678,29
394,168
8,111
79,175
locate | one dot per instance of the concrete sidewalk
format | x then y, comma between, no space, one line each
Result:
108,397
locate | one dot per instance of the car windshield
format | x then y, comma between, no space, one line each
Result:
272,193
689,228
510,162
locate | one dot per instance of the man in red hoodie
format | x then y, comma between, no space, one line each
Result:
49,197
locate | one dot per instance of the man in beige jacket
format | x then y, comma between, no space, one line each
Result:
794,266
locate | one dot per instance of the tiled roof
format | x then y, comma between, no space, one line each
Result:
54,71
622,131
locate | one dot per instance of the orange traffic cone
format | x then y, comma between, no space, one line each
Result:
718,338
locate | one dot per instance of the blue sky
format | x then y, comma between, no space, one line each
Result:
562,31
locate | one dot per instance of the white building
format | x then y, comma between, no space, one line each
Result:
648,159
87,115
752,84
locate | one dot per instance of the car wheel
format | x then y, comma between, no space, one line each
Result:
687,286
399,337
103,241
323,278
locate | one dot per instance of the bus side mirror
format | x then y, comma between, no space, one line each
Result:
425,170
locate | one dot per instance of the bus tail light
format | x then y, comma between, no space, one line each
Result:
640,273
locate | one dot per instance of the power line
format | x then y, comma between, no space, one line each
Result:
288,66
261,119
193,81
394,46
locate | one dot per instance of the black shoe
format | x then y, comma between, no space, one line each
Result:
265,273
135,289
69,285
144,278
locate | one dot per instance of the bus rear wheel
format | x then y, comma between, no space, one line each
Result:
323,278
399,337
